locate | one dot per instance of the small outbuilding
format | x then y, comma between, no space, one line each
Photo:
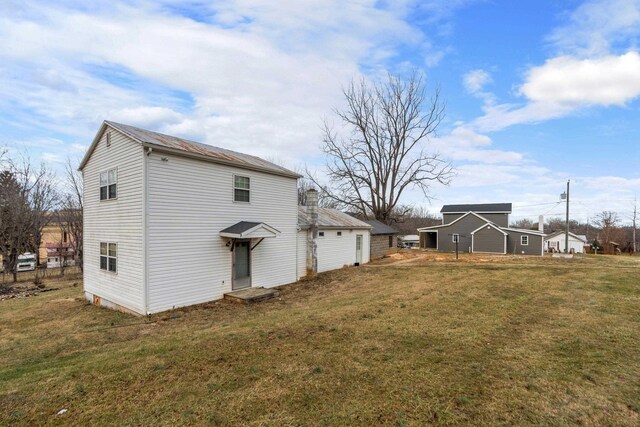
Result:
383,238
555,242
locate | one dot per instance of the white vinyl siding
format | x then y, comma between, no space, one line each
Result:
336,252
188,205
301,258
119,220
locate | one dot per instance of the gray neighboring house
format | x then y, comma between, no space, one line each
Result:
383,238
480,228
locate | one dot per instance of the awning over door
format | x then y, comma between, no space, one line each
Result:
249,230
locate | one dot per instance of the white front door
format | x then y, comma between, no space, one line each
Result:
358,249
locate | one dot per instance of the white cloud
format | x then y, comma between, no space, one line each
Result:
254,87
475,81
465,145
607,80
597,26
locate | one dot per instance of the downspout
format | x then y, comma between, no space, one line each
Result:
145,227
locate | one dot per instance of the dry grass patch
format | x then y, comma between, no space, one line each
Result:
434,341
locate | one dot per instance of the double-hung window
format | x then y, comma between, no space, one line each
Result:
524,240
109,184
109,256
241,189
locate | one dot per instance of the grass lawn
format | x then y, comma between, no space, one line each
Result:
502,340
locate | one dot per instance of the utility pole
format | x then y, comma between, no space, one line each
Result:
566,233
635,215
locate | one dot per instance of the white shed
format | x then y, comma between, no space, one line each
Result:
555,242
342,239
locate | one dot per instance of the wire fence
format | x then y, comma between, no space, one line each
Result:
41,272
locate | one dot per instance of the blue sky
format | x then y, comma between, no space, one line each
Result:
536,92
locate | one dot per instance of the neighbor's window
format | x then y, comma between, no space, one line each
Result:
321,234
455,238
109,184
524,240
108,256
241,188
390,241
339,233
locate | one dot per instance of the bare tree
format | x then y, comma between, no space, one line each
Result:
70,212
608,222
39,186
386,151
305,185
15,221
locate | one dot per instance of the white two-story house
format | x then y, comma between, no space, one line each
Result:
170,222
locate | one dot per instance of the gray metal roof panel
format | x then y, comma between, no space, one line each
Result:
330,218
221,155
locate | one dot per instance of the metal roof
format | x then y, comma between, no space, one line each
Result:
380,227
577,236
193,149
481,208
330,218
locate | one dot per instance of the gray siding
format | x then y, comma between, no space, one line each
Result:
488,240
464,227
500,219
533,248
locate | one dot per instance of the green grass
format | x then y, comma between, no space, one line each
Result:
507,340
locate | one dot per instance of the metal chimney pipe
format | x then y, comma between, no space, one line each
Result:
541,223
312,245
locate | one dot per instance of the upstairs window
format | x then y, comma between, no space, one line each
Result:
109,184
109,256
524,240
241,189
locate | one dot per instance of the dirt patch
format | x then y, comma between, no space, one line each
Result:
21,291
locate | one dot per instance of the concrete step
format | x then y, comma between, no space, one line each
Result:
251,295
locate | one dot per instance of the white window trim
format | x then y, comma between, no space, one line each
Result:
100,185
455,237
108,257
233,184
320,234
522,242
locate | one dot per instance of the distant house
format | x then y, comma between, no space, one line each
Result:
480,228
383,238
555,242
170,223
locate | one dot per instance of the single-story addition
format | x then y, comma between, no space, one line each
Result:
342,239
383,238
480,228
170,223
555,242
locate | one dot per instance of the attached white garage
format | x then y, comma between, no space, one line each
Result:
342,240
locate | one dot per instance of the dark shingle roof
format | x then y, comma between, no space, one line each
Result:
479,208
380,227
240,227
